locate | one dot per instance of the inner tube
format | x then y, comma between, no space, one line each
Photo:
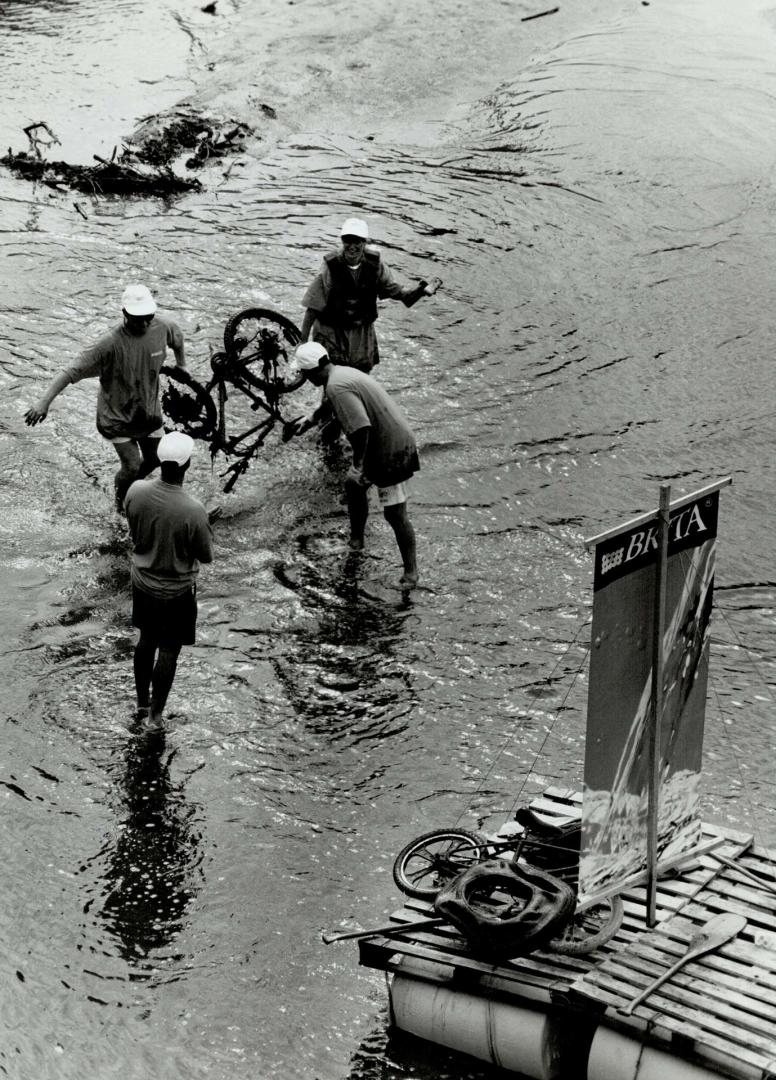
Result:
505,909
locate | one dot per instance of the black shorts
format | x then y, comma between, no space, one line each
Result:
167,622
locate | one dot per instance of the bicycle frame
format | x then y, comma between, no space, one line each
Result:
202,413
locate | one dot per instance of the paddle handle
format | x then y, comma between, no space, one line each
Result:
718,931
385,931
626,1010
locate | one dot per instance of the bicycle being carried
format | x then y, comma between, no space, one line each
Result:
258,346
498,891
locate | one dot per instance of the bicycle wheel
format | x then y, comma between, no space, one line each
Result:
259,342
589,929
430,861
187,404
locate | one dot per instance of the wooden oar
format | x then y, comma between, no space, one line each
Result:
386,931
716,932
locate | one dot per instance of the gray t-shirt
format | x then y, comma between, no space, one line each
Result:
171,536
360,401
128,369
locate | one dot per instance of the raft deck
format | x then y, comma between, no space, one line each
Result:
717,1012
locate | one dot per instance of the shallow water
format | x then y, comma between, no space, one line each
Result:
601,220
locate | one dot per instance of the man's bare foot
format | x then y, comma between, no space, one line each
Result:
153,721
408,580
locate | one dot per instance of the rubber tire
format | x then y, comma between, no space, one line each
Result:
588,944
408,886
204,428
291,333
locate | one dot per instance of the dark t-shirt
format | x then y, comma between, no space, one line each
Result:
360,401
128,369
171,537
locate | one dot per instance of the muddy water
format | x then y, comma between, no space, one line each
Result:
601,216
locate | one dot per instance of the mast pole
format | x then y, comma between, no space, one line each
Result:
656,711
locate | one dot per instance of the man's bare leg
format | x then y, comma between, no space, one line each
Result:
143,664
161,681
148,448
358,512
128,472
397,518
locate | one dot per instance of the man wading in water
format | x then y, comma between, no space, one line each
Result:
171,536
341,302
384,449
127,362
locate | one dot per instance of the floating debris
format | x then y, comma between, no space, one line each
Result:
114,177
105,178
159,140
540,14
145,164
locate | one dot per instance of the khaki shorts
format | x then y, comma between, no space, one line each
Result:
394,495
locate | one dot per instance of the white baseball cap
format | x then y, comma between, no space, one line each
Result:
137,300
355,227
175,446
308,356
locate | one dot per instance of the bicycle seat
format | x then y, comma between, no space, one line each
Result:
506,910
547,830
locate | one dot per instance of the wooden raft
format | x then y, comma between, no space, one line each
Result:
716,1011
720,1010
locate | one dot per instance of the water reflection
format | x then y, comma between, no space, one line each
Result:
350,674
393,1055
151,874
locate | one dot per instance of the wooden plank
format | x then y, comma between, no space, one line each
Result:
730,991
701,879
714,903
745,891
670,1019
563,795
518,984
450,943
685,1018
482,983
740,958
552,967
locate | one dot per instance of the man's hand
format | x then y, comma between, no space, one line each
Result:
355,475
36,415
300,424
431,286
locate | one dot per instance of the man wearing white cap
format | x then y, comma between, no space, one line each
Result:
341,303
127,361
384,450
171,536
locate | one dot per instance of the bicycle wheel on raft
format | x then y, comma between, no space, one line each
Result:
589,929
186,404
259,345
430,861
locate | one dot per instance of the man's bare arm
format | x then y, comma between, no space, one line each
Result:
38,413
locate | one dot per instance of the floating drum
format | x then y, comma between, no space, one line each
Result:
616,1057
514,1038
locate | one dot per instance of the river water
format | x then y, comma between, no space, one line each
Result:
598,200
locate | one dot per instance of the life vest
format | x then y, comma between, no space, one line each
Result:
506,909
351,302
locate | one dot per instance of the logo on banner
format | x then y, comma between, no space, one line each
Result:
688,527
